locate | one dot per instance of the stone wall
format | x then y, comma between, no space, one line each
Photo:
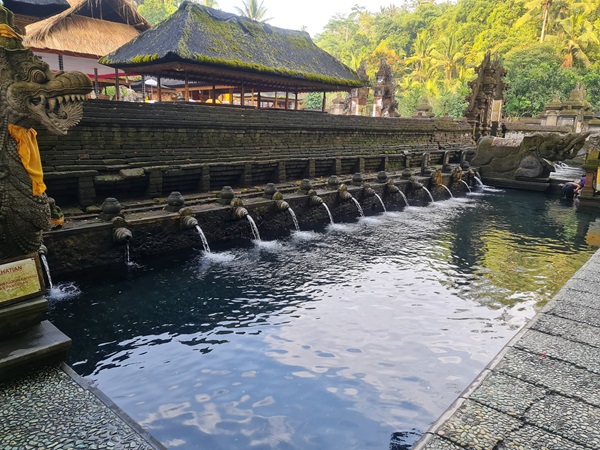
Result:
137,149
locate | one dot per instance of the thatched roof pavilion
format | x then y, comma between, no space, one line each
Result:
205,45
83,33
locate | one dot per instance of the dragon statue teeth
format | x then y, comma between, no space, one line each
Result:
31,96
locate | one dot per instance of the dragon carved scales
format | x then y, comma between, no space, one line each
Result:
31,95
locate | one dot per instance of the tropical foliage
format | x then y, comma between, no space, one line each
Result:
547,46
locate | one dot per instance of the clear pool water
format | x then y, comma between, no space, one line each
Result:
354,337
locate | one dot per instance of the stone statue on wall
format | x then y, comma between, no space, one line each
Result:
529,160
30,96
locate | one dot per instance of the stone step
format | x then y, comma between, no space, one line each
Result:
21,315
37,346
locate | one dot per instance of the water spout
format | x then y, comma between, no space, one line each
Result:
447,189
343,193
293,214
121,235
313,198
203,238
360,210
188,222
47,269
381,201
253,226
428,193
328,213
466,184
403,197
479,182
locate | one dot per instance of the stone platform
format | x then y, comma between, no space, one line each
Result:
543,390
53,408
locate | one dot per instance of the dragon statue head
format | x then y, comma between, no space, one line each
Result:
31,96
30,93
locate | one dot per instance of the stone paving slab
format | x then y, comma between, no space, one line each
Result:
576,353
543,390
50,409
552,374
558,326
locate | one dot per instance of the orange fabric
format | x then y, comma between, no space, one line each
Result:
7,32
30,155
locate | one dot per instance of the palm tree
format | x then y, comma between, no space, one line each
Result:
448,55
421,57
533,7
578,33
253,10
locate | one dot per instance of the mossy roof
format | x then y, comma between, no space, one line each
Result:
213,46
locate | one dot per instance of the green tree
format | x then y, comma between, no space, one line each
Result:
579,34
253,10
447,55
155,11
421,57
534,77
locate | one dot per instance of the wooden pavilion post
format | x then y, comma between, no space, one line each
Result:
117,85
243,96
253,101
144,87
214,94
96,82
275,101
296,101
186,92
287,99
231,96
324,100
158,89
259,101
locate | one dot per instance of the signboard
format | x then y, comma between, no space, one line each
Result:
20,278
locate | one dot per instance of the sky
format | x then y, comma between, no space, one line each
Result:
314,14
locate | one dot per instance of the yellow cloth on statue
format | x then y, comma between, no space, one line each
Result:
8,32
30,155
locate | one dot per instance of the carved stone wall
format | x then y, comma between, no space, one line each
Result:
140,149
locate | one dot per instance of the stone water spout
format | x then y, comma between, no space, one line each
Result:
186,220
238,210
368,191
280,204
120,234
415,185
390,187
343,193
314,199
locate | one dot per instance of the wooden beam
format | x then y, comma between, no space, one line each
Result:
324,100
116,84
158,89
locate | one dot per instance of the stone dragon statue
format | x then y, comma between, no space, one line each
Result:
529,160
30,95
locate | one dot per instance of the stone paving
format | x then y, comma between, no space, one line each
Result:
54,409
543,390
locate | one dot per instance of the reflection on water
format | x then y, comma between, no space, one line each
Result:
354,337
